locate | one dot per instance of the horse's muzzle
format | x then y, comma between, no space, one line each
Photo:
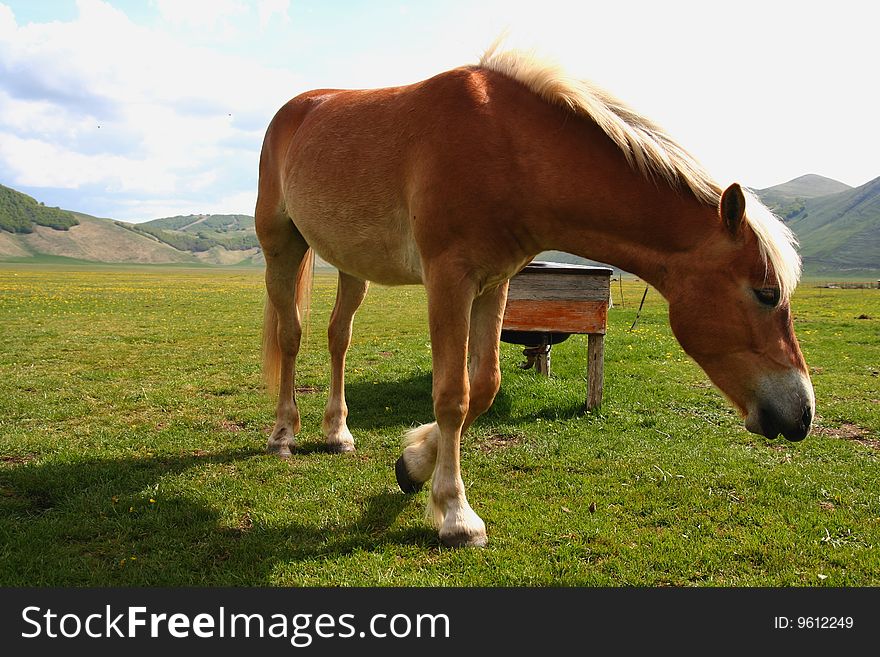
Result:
770,425
787,408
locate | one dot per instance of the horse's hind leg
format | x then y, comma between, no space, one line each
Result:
285,250
350,293
484,370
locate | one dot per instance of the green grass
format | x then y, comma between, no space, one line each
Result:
133,426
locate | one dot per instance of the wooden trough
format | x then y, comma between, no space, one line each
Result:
547,302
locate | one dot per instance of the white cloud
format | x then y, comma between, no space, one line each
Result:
165,206
145,112
7,21
39,117
102,101
206,14
45,164
267,9
220,19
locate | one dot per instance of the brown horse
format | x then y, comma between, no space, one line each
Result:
456,183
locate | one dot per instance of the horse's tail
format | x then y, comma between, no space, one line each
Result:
271,348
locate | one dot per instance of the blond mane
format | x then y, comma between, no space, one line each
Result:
648,149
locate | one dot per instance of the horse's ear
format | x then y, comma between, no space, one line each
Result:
733,208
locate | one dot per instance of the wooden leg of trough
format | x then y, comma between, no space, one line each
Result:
596,369
542,361
537,357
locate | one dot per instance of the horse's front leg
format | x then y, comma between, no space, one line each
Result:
416,465
449,304
350,293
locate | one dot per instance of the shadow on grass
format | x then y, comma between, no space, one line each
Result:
94,521
408,397
60,526
411,401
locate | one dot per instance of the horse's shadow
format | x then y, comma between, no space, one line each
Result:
184,542
410,398
380,404
66,505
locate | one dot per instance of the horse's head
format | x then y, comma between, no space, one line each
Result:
730,311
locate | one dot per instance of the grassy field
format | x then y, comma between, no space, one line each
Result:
132,428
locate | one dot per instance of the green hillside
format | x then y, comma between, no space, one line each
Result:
200,233
31,232
841,232
194,223
788,199
19,213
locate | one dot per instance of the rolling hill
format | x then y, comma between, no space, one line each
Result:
19,213
221,239
93,239
839,232
29,230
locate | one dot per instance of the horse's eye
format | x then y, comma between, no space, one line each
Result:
769,296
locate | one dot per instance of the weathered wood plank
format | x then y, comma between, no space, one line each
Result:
559,287
596,369
542,364
556,316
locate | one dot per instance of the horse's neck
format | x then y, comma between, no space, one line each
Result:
642,227
588,200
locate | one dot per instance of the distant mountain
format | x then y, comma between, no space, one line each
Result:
841,232
787,199
807,186
838,226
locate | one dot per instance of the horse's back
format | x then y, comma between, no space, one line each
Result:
360,170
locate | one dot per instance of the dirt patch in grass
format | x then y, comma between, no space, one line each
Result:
307,390
17,459
231,425
849,431
245,523
497,441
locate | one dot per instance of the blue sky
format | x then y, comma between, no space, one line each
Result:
136,110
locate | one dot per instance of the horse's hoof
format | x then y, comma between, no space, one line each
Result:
464,540
340,448
406,483
281,450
